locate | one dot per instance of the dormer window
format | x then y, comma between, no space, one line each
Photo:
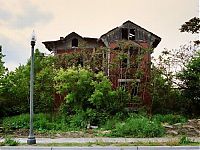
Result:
74,43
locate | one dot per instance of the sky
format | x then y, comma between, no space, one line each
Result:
52,19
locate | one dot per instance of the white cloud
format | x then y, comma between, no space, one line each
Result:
24,15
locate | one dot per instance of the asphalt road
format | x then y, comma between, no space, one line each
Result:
102,148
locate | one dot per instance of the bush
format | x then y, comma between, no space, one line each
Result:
16,122
169,118
41,122
90,98
138,127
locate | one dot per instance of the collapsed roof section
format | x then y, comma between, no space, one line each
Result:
131,31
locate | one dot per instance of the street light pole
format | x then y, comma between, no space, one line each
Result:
31,137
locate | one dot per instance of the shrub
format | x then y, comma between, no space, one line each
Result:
169,118
90,97
16,122
41,122
138,127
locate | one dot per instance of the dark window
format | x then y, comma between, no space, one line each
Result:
125,33
75,42
132,34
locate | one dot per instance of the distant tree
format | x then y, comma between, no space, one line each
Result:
2,67
192,26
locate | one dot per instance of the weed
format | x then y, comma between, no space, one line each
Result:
185,140
138,127
9,142
169,118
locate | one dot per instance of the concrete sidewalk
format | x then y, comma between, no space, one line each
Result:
102,148
100,139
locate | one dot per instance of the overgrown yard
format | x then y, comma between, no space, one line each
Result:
133,126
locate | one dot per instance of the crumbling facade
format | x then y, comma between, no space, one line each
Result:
121,48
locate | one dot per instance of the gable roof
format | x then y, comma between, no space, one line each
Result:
50,44
156,42
128,21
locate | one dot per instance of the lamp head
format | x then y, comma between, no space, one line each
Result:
33,37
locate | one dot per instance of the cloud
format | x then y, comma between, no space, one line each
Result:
15,53
25,15
4,14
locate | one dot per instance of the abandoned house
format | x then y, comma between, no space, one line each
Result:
117,53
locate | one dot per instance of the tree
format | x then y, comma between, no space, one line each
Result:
2,67
192,26
176,74
15,87
190,78
3,71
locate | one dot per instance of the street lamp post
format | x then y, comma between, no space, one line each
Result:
31,137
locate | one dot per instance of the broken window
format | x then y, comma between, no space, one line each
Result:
125,33
132,34
74,42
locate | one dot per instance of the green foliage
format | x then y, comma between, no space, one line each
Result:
76,83
138,127
3,70
15,87
90,96
111,122
2,67
16,122
42,122
9,142
165,98
190,77
169,118
193,26
185,140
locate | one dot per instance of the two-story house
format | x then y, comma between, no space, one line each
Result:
119,61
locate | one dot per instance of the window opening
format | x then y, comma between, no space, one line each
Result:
125,33
132,34
74,43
